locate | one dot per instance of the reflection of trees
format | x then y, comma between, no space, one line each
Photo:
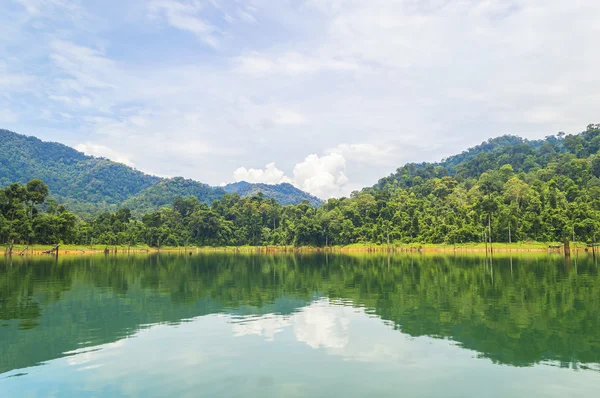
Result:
536,311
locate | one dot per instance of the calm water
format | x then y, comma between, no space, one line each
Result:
295,326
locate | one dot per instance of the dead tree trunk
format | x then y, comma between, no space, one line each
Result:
490,231
54,249
567,248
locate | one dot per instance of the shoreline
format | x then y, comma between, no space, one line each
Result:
75,250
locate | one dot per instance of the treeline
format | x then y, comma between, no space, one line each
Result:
89,185
26,216
515,189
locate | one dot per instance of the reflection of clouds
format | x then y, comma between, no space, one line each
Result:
322,325
266,326
325,324
319,324
83,356
201,357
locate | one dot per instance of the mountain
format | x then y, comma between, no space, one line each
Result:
89,184
164,191
522,155
70,174
286,194
507,189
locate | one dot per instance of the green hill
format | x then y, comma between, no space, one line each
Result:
89,185
507,189
164,191
285,194
71,175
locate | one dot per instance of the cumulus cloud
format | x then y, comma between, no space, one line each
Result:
322,176
269,175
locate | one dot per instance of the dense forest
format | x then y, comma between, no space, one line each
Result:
508,189
90,185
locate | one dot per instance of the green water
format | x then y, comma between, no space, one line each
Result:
219,325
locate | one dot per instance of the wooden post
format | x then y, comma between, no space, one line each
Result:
24,250
567,248
490,231
594,247
53,250
388,238
486,245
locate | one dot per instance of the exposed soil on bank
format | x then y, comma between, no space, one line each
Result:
428,248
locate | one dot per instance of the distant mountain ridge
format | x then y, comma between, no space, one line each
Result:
280,192
89,184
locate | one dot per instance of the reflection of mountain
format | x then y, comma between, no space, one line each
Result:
538,311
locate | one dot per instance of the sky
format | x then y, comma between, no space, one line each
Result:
329,95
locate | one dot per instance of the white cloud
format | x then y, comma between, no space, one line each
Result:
322,176
269,175
186,16
89,67
98,150
202,87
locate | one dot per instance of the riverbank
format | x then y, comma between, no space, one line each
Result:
552,247
41,250
423,248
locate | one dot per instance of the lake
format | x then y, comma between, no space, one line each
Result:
319,325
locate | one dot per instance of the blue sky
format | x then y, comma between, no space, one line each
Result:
329,95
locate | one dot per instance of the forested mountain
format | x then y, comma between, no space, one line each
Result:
89,185
69,173
285,194
507,189
165,191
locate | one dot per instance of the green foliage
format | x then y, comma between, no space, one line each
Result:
165,191
23,219
514,189
71,175
91,185
286,194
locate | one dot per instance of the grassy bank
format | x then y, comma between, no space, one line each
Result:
30,250
415,247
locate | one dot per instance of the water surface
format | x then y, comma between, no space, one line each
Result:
224,325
